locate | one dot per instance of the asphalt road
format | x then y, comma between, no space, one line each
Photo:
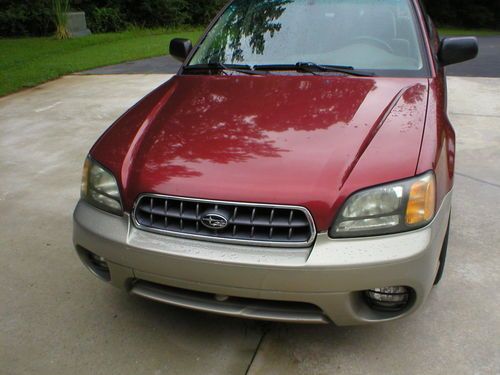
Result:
56,318
487,64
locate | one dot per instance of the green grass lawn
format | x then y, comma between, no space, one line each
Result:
467,32
27,62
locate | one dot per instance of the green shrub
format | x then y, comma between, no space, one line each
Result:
105,20
34,17
465,13
202,12
23,18
156,13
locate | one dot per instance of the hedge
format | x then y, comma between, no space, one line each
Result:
33,17
465,13
20,18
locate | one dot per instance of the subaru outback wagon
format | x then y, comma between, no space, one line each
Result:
298,168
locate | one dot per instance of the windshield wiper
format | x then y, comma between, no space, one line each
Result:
240,68
310,66
314,68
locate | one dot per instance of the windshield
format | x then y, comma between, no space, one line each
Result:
370,35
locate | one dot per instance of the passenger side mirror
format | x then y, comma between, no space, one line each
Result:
180,48
457,50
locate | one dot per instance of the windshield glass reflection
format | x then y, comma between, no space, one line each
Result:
365,34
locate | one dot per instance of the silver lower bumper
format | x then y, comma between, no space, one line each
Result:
315,285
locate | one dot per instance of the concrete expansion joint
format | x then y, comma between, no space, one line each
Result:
478,180
473,115
265,331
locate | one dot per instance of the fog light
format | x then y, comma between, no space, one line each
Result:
95,263
388,298
98,262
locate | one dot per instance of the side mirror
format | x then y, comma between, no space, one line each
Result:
180,48
457,50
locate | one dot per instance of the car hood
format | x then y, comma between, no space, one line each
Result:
281,139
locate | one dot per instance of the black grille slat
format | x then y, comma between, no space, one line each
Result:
171,212
265,223
246,222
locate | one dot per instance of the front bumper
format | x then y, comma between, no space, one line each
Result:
318,284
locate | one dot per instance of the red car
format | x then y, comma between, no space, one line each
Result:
299,167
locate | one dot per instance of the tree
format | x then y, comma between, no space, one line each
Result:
465,13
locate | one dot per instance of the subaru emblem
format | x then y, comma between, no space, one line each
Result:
214,221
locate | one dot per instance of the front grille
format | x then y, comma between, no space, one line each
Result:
239,222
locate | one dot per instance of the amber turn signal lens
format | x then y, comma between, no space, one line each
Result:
422,201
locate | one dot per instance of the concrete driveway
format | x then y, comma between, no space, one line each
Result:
56,318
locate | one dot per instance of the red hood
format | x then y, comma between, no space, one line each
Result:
298,140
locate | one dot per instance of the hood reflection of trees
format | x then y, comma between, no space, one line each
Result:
231,119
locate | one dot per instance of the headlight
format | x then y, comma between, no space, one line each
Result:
386,209
99,188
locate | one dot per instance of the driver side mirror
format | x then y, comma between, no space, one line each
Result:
457,50
180,48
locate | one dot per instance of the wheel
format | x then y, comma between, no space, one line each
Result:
442,256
